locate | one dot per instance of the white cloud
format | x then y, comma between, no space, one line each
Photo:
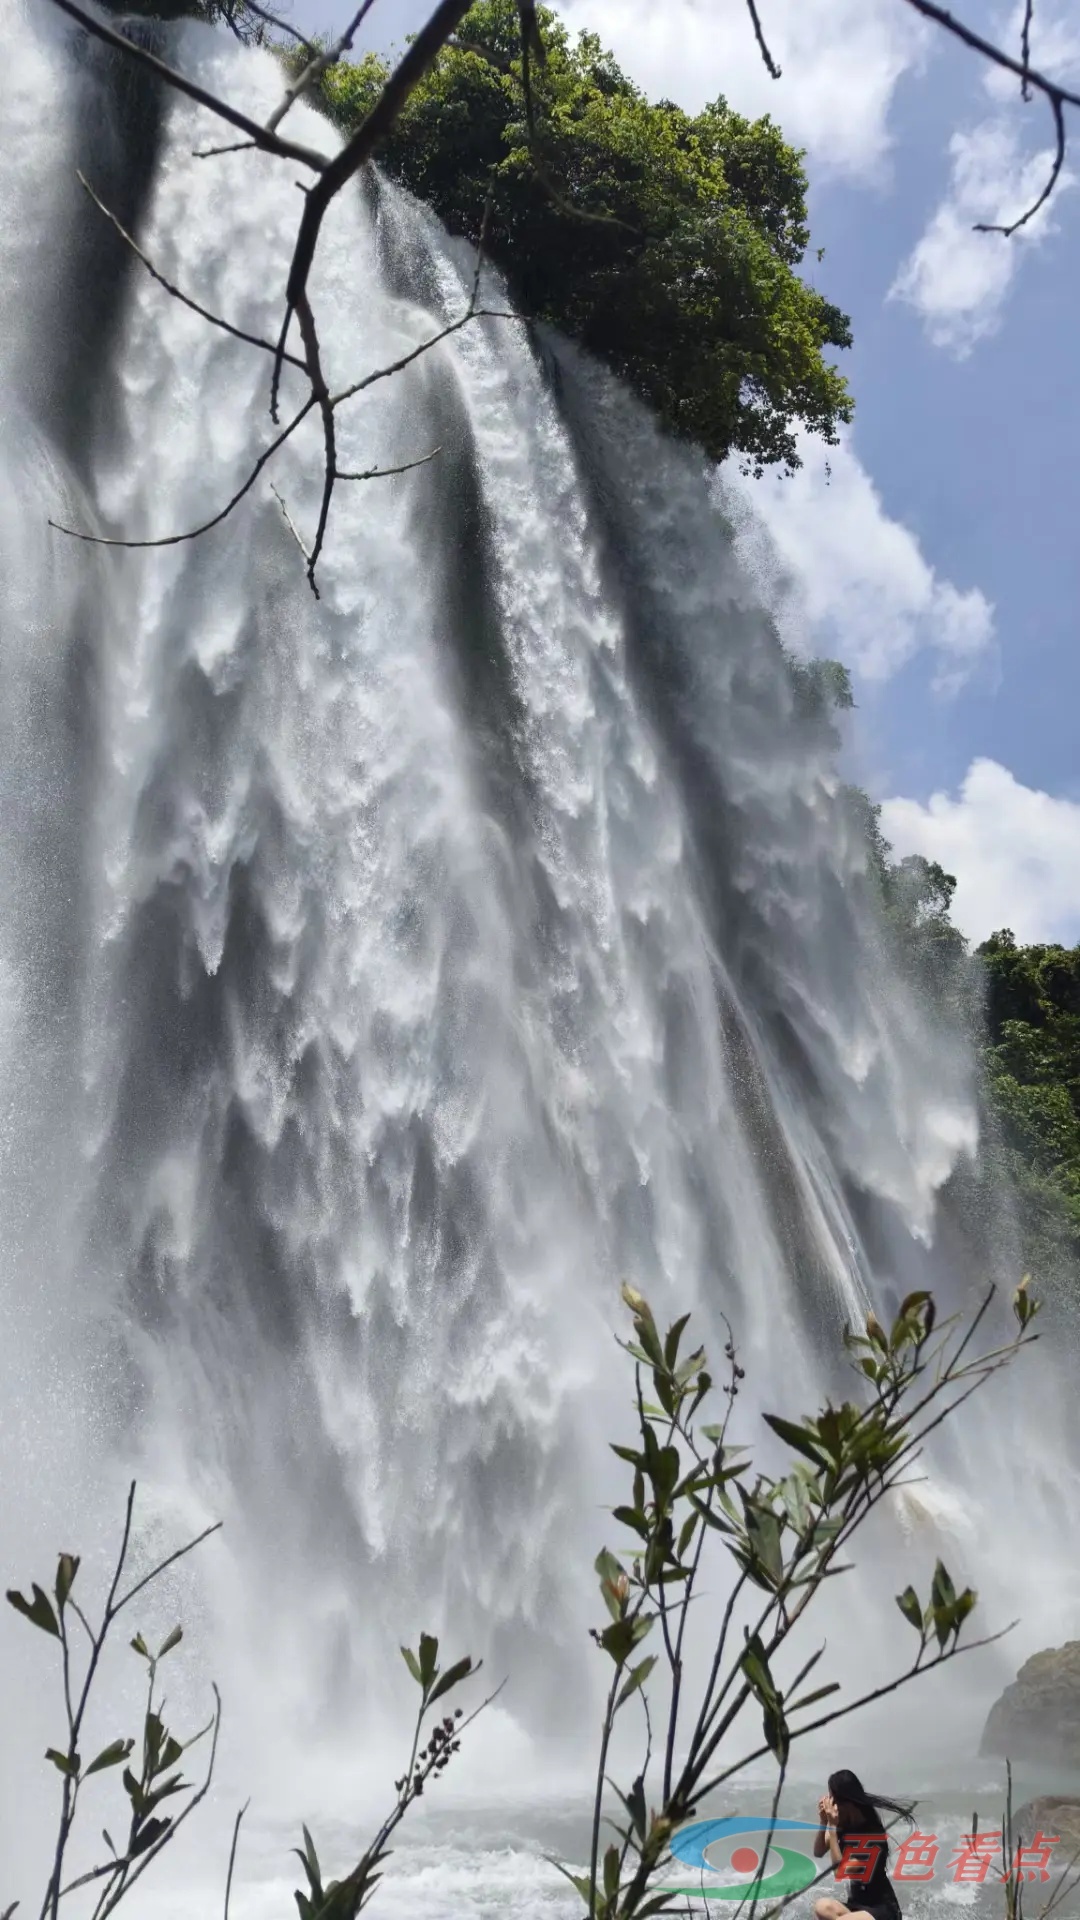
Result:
956,279
1015,852
845,578
840,63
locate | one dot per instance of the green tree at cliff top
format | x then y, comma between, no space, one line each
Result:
664,242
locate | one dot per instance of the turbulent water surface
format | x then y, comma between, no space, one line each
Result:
384,978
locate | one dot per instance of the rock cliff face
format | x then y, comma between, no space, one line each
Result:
1038,1717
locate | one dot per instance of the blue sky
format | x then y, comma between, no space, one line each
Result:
942,558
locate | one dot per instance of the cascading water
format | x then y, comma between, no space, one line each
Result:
388,976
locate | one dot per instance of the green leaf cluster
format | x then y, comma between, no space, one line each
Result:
666,243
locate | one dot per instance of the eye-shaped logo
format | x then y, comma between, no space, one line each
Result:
754,1841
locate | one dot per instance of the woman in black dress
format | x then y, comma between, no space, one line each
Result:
851,1818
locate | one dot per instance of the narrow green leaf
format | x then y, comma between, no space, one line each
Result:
775,1727
459,1671
686,1534
111,1756
690,1367
311,1857
578,1880
138,1645
755,1666
429,1658
810,1699
638,1677
68,1764
634,1802
666,1474
149,1834
650,1340
173,1640
38,1611
801,1438
153,1735
611,1873
133,1789
412,1663
908,1603
911,1301
67,1568
167,1787
942,1591
671,1344
631,1517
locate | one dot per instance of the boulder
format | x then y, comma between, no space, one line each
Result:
1051,1813
1038,1717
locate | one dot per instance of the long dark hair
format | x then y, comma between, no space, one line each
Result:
860,1812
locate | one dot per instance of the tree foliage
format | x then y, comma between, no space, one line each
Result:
1021,1005
1032,1066
665,243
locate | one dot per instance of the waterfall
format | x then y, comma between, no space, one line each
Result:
386,977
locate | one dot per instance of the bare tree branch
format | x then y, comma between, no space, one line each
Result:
177,539
215,320
318,65
283,26
411,69
270,142
771,67
1058,97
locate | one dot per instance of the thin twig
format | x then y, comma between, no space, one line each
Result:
1025,49
321,395
1059,97
318,65
215,153
214,319
291,524
177,539
170,1561
415,353
387,473
232,1856
270,142
283,26
853,1706
1058,162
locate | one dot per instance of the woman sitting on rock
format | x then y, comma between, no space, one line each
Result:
852,1831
